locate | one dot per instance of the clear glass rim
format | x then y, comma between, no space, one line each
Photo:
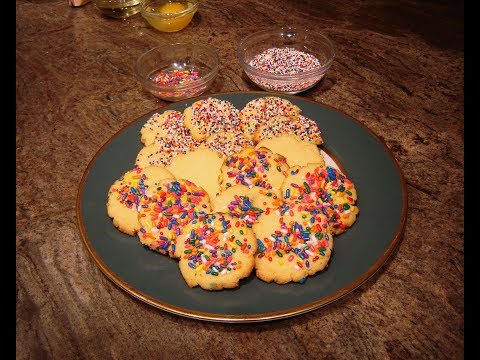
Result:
188,10
178,87
137,2
316,71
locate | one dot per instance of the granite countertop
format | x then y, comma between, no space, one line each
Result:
399,70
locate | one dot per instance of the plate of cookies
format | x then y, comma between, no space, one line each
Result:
242,207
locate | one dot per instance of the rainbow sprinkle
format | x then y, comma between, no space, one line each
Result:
167,211
130,189
213,115
175,77
328,188
258,111
306,129
228,143
252,169
211,245
241,207
285,61
300,242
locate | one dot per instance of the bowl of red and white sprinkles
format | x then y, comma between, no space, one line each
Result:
286,60
177,71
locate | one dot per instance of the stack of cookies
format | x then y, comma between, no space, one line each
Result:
230,192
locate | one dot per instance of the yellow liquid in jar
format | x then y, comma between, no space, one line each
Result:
171,8
173,24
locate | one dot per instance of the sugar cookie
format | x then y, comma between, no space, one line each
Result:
254,167
201,166
293,242
306,129
164,214
168,124
216,251
125,193
163,151
258,111
227,142
295,151
206,117
246,204
316,184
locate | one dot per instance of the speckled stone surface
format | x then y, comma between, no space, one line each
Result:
399,70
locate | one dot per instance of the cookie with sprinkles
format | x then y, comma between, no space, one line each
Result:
164,214
158,154
227,142
168,124
200,166
246,204
257,112
294,242
315,184
126,192
306,129
296,151
163,150
206,117
216,251
254,167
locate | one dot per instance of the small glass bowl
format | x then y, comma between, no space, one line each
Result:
305,41
196,64
169,15
119,9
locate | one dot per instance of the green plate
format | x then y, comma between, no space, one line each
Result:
156,279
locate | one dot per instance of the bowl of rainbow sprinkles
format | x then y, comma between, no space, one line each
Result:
179,71
286,60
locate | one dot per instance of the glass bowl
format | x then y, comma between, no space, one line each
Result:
286,60
177,71
169,15
119,9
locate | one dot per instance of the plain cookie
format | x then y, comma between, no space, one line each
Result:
295,151
201,166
